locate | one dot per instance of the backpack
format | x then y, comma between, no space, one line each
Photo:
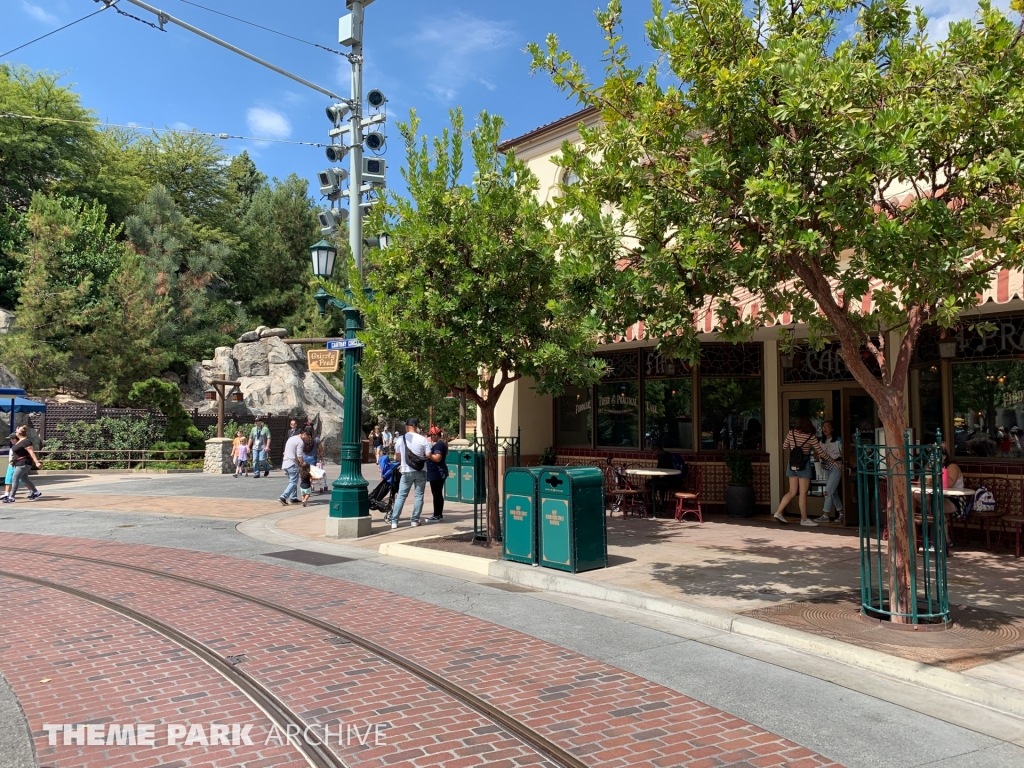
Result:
797,457
983,500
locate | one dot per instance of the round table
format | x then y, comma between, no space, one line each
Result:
646,475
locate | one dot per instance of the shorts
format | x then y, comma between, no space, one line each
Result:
307,491
806,473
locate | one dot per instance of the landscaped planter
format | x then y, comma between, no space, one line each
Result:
739,500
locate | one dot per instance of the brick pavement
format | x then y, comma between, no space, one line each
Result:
604,715
70,661
179,506
325,684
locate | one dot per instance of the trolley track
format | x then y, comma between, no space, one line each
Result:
318,751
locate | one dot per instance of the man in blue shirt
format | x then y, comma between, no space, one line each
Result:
437,471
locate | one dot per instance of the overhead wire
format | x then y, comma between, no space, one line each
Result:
191,132
43,37
266,29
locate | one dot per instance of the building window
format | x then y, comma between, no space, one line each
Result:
988,408
574,417
668,413
618,414
731,398
926,401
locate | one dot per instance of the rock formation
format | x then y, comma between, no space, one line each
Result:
274,380
7,379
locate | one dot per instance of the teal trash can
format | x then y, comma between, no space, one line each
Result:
472,486
572,535
451,483
519,540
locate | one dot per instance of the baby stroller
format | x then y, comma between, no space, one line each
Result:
319,479
382,498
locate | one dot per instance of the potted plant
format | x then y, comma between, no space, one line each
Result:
548,458
739,493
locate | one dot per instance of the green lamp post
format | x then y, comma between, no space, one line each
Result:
349,515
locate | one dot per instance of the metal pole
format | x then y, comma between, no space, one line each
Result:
166,17
355,155
349,514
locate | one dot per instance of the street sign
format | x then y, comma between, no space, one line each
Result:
323,360
345,344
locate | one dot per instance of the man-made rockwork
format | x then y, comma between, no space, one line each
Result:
7,379
218,457
6,321
275,380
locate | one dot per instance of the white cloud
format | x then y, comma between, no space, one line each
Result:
180,126
941,13
267,123
459,47
38,13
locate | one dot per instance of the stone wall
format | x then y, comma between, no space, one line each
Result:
218,457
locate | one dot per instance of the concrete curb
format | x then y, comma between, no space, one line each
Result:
981,692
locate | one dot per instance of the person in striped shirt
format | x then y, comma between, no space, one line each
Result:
801,442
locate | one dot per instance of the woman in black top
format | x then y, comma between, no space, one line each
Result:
23,457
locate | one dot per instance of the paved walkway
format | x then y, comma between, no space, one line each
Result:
80,663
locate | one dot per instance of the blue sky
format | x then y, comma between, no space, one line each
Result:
427,54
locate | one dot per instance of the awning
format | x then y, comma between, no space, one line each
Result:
8,391
21,405
1006,285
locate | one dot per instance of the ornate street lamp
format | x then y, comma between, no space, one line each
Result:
349,514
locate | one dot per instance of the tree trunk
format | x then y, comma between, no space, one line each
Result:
490,445
901,533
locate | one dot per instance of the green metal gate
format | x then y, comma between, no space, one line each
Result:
917,469
507,448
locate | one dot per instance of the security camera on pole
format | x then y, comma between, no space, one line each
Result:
349,514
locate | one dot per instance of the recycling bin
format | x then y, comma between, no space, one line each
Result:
451,484
472,486
571,527
520,511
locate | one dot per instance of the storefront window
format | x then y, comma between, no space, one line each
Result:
988,408
731,415
574,417
926,398
618,414
668,413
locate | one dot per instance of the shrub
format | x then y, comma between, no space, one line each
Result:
740,470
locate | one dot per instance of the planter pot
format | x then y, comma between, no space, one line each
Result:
739,500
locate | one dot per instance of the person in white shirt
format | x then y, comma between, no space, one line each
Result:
290,465
832,446
412,449
387,440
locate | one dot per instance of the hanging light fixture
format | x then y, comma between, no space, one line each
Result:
210,394
237,397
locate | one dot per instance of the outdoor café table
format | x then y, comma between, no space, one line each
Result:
945,492
644,476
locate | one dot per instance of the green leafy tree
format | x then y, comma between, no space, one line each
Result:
466,296
767,151
187,270
166,398
272,274
195,173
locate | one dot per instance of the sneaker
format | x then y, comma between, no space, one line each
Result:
294,501
303,503
823,519
809,523
283,500
34,495
414,524
266,473
434,519
8,499
838,518
780,518
394,525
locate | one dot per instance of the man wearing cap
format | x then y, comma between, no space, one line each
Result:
412,449
259,447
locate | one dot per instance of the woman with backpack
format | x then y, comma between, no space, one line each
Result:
801,442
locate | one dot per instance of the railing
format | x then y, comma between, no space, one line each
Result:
88,458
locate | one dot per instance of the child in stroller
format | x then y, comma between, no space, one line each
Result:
382,498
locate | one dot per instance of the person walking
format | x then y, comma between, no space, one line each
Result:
240,454
23,457
801,442
832,446
259,447
376,442
290,465
387,440
437,471
293,429
412,450
10,470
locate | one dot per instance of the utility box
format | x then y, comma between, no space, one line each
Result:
519,538
572,535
